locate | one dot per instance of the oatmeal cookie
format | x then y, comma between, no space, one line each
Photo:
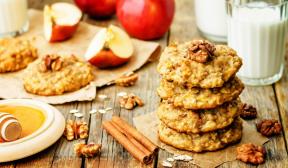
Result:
191,121
15,54
210,141
198,98
175,65
55,75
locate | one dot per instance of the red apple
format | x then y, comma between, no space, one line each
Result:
146,19
60,21
97,8
110,47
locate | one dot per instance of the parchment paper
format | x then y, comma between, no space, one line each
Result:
11,83
147,125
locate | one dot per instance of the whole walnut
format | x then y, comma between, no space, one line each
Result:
250,153
269,127
200,50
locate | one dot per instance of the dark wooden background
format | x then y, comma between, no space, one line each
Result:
271,102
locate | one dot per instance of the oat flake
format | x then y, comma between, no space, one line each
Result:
170,159
185,158
102,97
121,94
108,108
166,164
73,111
79,115
102,111
129,73
93,111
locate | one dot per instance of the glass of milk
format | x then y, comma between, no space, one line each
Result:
13,17
211,19
257,31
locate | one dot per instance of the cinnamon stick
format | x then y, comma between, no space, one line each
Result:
126,143
135,134
134,141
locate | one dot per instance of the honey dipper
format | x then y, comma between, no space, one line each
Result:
10,128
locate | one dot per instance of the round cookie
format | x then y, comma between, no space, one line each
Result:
188,121
176,66
15,54
55,75
198,98
210,141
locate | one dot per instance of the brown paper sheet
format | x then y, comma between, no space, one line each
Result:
147,124
11,83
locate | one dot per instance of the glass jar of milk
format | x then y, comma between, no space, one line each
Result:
13,17
211,19
257,31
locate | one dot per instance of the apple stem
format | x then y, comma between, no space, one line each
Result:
106,47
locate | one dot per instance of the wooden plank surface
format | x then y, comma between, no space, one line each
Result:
114,155
281,89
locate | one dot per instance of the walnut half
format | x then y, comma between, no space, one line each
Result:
200,51
130,101
269,127
75,130
89,150
248,112
250,153
127,80
51,63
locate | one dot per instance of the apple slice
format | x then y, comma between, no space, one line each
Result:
110,47
60,21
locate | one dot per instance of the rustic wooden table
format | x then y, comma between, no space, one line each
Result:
271,102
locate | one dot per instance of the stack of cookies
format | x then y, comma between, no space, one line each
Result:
200,105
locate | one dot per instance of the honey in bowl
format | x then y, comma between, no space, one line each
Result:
31,119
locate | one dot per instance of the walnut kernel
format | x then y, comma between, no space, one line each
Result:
75,130
51,62
269,127
82,129
250,153
130,101
69,130
89,150
248,112
201,50
127,80
56,64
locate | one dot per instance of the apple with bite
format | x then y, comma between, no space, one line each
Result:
111,47
97,8
146,19
60,21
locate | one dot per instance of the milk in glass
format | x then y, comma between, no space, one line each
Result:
257,32
13,17
211,19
